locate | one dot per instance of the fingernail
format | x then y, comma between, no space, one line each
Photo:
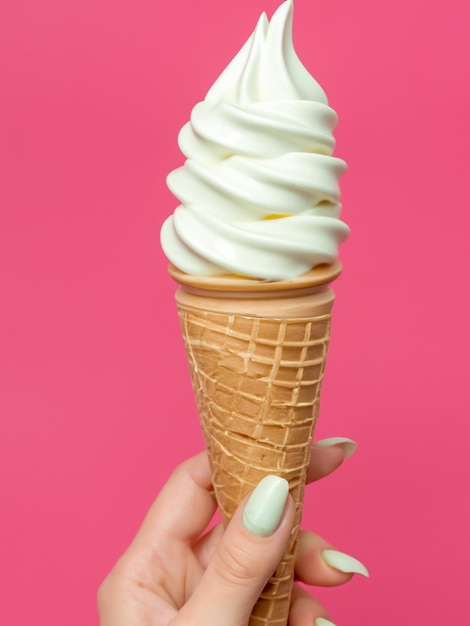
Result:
264,509
349,446
344,562
321,621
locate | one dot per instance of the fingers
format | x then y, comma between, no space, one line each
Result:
184,506
318,563
245,558
327,455
205,548
306,611
189,489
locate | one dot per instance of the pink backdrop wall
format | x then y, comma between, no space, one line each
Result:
96,401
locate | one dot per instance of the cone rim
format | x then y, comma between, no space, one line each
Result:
320,275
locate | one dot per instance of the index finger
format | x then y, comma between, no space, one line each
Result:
184,506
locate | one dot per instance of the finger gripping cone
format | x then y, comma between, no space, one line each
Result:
257,357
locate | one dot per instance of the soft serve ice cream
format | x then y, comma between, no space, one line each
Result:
259,190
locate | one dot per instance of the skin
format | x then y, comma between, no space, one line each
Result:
175,573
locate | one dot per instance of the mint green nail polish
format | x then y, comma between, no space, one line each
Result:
264,509
349,446
344,563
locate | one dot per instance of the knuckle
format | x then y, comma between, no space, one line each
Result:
236,565
114,586
104,594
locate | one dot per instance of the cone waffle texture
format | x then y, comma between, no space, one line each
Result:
257,383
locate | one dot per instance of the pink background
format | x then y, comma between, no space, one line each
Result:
96,401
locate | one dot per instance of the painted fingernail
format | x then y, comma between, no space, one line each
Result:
349,446
264,509
344,562
322,621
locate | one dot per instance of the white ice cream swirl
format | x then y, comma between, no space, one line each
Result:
259,190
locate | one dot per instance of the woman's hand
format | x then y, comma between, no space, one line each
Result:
174,574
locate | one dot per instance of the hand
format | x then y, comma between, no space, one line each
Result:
174,574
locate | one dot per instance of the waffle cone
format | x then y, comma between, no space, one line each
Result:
257,352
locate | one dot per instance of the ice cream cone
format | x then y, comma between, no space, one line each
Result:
257,353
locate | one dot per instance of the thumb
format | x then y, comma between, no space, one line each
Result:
246,557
